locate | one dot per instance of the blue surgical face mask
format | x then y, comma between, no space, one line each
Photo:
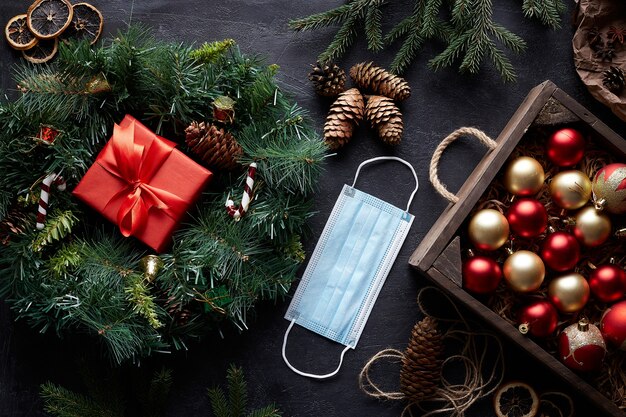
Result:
349,265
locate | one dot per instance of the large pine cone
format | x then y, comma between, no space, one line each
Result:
422,362
614,80
215,147
328,79
386,118
377,80
345,112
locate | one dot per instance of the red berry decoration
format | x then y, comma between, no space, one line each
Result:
481,274
539,319
560,251
566,147
613,325
527,217
581,347
608,283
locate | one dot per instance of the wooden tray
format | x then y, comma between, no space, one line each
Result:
439,254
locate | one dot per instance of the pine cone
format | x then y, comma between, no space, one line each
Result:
377,80
215,147
605,53
421,364
386,118
14,223
345,112
328,79
614,79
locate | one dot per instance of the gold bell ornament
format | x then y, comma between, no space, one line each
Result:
150,265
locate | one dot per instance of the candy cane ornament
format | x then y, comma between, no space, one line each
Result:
234,211
42,211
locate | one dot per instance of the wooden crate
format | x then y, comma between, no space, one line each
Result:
439,254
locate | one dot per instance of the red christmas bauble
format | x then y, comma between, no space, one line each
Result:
539,319
481,274
527,217
566,147
613,325
561,251
608,283
581,347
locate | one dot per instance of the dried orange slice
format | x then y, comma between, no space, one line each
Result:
44,51
516,399
18,35
86,23
49,18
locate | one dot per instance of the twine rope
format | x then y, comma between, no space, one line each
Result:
451,397
434,162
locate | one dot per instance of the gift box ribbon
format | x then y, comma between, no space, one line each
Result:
136,165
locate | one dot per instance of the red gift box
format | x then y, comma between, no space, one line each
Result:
140,182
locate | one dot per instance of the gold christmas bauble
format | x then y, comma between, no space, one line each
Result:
524,271
592,228
488,229
524,176
569,293
570,189
150,265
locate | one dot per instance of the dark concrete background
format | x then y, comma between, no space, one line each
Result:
440,103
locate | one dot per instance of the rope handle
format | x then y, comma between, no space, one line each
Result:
434,162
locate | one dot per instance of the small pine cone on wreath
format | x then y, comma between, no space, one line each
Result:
214,146
344,113
328,79
15,223
614,79
422,362
385,117
377,80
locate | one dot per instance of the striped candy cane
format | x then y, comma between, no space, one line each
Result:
234,211
42,211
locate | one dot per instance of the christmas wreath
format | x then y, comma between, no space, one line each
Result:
225,111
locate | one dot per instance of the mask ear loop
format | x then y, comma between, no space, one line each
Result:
390,158
315,376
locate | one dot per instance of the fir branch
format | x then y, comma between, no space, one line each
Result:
155,400
219,403
61,402
139,296
237,391
373,29
58,225
268,411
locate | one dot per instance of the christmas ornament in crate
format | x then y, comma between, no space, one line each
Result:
584,203
142,183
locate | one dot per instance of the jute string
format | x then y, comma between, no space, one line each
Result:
434,162
482,375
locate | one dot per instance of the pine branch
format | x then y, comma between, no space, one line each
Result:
61,402
58,225
547,11
237,391
219,403
155,401
210,52
373,29
139,296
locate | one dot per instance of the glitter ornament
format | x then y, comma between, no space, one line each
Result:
570,189
591,227
488,230
569,293
608,283
524,176
613,325
539,319
566,147
527,218
481,274
581,347
560,251
609,188
524,271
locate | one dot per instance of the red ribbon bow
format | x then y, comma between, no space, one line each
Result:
136,165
